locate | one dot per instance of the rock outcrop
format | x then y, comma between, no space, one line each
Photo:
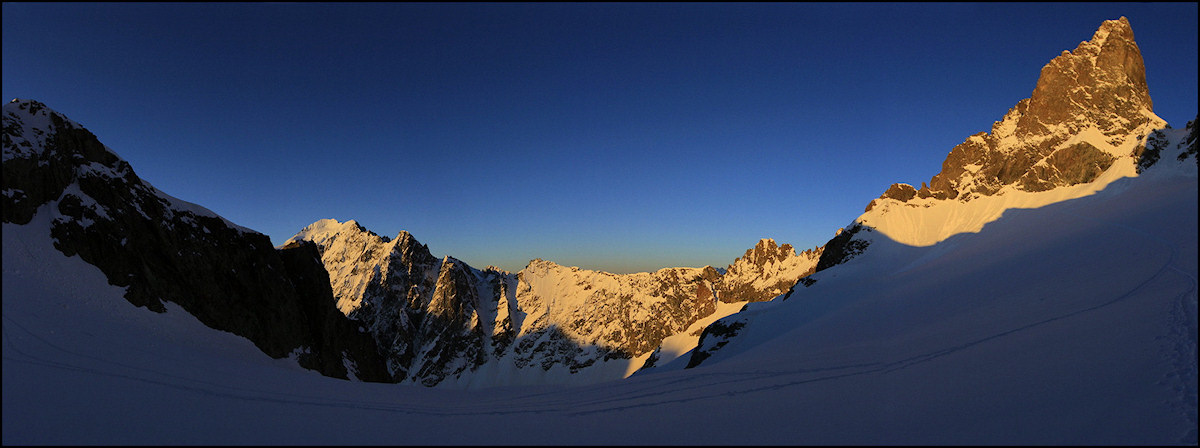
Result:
1089,113
1099,88
765,272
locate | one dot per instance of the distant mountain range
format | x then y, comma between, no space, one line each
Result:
349,303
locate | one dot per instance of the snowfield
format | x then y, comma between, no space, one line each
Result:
1071,323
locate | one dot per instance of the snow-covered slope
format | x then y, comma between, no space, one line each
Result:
1073,323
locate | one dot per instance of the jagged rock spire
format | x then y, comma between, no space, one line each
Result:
1102,76
1089,108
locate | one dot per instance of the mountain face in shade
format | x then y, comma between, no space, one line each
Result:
162,249
443,319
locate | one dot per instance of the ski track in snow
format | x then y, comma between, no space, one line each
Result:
1180,345
136,374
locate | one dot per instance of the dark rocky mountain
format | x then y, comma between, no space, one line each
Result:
165,250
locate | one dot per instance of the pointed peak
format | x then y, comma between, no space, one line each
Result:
764,251
43,113
542,264
325,228
24,103
495,270
766,243
1100,85
1119,28
404,238
329,225
355,225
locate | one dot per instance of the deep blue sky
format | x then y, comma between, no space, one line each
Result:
621,137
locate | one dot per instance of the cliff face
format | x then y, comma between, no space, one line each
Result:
166,250
1097,91
1088,122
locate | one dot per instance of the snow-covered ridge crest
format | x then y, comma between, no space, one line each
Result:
30,128
26,123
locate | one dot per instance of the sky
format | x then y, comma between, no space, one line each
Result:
618,137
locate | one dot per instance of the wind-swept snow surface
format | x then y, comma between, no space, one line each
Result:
1074,323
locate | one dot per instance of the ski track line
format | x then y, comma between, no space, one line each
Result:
1180,346
167,378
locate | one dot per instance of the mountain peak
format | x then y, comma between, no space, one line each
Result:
1119,28
1084,126
24,103
1086,113
1104,74
323,228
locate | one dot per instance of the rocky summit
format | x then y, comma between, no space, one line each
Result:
1088,123
1098,89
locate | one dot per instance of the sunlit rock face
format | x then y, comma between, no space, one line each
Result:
766,271
1098,87
163,250
444,320
1088,123
1085,125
